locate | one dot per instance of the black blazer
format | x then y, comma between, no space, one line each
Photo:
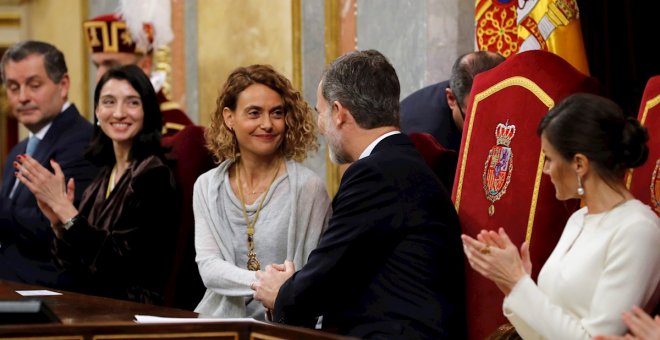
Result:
426,110
25,234
390,263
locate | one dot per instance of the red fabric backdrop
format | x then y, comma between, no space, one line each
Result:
520,91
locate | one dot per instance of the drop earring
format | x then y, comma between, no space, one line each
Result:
98,122
580,189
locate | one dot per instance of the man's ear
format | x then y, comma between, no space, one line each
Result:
340,114
64,83
451,99
336,113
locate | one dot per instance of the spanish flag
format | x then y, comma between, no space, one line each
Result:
512,26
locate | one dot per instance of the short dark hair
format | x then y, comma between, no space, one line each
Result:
147,142
597,128
54,62
366,83
466,67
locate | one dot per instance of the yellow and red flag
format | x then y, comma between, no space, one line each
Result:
512,26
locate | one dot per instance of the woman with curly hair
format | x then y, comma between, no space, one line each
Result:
259,206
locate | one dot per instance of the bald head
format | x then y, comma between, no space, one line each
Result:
466,68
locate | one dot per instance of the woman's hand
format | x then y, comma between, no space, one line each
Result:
642,326
495,257
54,197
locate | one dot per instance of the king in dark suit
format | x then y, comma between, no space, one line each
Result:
35,75
389,264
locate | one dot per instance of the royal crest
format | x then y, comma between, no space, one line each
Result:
499,165
655,187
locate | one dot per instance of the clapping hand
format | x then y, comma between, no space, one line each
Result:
54,196
495,257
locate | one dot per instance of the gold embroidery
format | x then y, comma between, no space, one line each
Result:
544,98
651,103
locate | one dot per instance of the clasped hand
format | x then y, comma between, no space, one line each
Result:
270,280
495,257
54,196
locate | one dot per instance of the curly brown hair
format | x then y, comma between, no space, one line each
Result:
300,134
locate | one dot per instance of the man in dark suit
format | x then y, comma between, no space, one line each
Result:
35,76
439,109
389,264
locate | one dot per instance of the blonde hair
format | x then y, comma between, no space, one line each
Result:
300,132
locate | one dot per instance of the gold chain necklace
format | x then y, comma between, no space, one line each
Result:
252,263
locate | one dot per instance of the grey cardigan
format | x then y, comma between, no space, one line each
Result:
228,285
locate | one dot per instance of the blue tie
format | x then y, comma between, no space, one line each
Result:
32,145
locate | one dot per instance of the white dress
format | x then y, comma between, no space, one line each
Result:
602,265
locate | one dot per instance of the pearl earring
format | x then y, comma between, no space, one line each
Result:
98,122
580,189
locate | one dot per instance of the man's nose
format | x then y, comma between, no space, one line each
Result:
23,95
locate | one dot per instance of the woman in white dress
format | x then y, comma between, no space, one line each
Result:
260,205
608,257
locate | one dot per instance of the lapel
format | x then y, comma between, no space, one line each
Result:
112,205
60,124
44,151
8,175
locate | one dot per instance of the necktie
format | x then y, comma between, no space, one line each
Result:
32,145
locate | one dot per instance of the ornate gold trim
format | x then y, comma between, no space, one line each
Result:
162,60
172,126
651,103
10,20
296,26
167,335
169,105
545,99
49,337
332,41
261,336
85,58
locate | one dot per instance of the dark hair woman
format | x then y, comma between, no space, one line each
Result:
117,241
608,257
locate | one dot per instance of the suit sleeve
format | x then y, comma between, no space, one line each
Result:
26,221
356,239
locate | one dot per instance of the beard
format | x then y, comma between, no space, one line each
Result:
337,153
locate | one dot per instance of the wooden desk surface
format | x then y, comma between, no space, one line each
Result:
74,308
86,317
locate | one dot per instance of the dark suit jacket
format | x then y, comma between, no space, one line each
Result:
390,263
426,110
25,234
